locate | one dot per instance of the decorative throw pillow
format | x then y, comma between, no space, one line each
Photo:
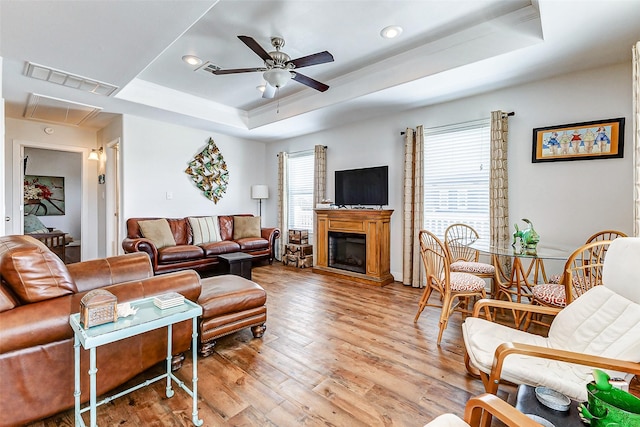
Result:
32,224
158,231
205,229
246,226
36,274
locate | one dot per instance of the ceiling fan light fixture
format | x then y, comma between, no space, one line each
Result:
192,60
277,77
390,32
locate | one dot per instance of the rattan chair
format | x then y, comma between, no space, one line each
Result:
582,271
456,288
458,239
599,236
606,235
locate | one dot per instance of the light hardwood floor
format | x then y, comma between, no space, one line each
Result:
335,353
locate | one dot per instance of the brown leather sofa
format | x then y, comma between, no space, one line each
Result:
186,255
37,295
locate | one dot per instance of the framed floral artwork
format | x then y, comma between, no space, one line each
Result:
44,195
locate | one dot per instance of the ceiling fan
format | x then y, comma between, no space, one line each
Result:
279,67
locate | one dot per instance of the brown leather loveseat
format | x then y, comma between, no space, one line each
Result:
38,293
188,249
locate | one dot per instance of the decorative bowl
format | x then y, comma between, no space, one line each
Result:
542,421
553,399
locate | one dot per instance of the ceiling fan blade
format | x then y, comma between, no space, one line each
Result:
237,70
316,58
308,81
254,46
269,91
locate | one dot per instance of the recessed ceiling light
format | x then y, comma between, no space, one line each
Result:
391,31
192,60
261,88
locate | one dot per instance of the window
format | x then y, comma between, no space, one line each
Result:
456,176
300,194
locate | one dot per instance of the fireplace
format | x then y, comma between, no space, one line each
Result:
354,244
348,251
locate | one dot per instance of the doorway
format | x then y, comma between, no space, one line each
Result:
18,176
114,227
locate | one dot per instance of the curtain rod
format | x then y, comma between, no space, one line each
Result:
512,113
301,151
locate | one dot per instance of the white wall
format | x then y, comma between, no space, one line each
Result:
155,156
566,201
69,166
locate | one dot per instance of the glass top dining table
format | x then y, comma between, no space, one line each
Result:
520,279
518,270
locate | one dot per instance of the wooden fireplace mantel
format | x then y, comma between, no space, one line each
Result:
374,224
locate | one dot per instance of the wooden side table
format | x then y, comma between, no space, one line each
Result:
148,318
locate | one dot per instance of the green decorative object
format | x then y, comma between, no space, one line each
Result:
529,238
608,406
208,171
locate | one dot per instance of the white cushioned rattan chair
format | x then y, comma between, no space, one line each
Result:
601,329
456,289
479,411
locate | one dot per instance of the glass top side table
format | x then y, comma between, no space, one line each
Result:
147,318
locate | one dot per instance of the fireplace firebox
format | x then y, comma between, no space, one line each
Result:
348,251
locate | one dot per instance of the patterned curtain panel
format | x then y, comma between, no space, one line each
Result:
282,204
636,139
499,185
319,174
413,206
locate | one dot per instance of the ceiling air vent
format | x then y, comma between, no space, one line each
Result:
63,78
208,67
56,110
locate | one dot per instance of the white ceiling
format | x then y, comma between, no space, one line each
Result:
448,49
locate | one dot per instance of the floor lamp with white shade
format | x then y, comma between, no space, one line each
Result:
259,191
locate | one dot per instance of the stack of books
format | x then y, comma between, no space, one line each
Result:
172,299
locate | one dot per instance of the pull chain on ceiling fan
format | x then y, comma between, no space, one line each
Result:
279,67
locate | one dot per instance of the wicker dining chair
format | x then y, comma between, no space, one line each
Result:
582,271
458,239
456,288
600,235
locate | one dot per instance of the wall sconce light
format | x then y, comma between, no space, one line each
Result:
95,154
260,192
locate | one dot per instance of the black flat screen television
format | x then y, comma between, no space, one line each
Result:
368,186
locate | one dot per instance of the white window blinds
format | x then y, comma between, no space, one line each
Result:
456,176
300,194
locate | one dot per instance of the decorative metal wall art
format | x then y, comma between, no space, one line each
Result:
208,171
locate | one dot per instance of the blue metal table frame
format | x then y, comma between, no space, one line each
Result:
148,318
